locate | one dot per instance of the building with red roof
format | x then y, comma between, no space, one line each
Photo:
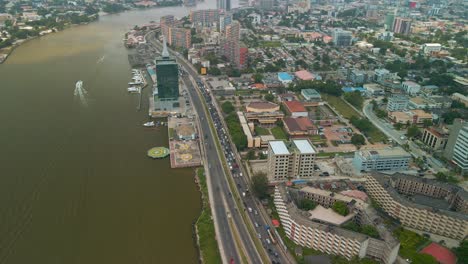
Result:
300,126
304,75
440,253
275,222
295,108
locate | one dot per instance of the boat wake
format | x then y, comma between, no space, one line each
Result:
81,93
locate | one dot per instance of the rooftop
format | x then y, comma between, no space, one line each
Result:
262,105
298,124
385,152
323,214
285,76
304,75
304,146
310,93
302,218
295,106
279,147
386,181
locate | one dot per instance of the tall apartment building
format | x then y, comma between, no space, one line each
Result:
435,138
224,21
166,22
205,18
167,80
453,143
231,43
294,159
456,149
397,103
402,25
341,37
384,159
389,20
180,37
327,238
223,5
422,204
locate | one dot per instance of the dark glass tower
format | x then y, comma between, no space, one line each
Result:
167,74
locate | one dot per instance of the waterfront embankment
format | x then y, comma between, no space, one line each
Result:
204,227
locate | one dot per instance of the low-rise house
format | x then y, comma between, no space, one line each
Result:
411,87
416,116
295,109
301,126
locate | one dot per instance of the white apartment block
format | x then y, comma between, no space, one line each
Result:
410,87
460,150
384,159
421,204
429,48
293,159
397,103
329,239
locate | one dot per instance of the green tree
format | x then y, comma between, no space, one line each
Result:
213,70
251,154
370,231
427,123
306,205
448,117
228,107
340,207
269,97
258,78
413,131
462,252
355,98
260,185
358,140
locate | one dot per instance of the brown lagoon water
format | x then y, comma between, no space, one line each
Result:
75,183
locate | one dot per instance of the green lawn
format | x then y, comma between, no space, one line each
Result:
341,106
279,133
261,131
376,135
410,244
206,232
345,110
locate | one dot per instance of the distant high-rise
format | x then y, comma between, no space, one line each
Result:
180,37
267,4
231,43
341,37
456,149
223,5
167,73
205,18
402,25
224,20
389,19
166,22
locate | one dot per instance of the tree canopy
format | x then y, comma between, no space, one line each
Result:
340,207
260,185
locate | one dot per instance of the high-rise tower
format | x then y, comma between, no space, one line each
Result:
167,75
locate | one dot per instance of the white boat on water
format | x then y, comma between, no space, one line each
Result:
133,89
149,124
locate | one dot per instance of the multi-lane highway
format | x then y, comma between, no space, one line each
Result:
236,243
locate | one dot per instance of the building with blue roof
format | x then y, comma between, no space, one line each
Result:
353,89
285,77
